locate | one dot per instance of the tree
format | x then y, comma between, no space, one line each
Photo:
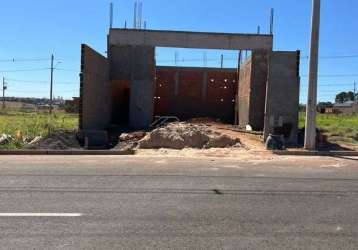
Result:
345,97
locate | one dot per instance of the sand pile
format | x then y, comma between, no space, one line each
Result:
180,135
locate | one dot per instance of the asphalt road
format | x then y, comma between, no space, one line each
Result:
114,202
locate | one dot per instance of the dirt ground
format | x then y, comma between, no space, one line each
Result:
192,137
248,141
236,153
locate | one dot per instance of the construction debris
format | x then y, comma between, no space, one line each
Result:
275,142
35,140
180,135
5,139
132,136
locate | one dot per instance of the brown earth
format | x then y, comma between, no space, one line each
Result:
180,135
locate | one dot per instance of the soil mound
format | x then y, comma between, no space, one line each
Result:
180,135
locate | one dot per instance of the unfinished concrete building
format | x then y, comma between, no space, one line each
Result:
127,88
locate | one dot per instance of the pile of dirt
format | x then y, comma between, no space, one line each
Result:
180,135
129,141
65,140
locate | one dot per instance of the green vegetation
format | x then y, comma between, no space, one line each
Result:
27,125
338,128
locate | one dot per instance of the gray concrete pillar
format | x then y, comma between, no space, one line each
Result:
141,106
134,65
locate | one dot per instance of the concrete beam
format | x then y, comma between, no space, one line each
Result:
185,39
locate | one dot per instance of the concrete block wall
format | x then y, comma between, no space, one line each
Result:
252,90
120,63
141,101
258,89
95,91
134,67
282,96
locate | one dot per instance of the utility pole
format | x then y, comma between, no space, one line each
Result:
355,97
4,87
51,82
310,133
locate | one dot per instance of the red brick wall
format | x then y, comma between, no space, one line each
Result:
201,92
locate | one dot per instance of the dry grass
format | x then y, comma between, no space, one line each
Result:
22,125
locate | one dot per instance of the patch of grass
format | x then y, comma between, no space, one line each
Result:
22,125
338,128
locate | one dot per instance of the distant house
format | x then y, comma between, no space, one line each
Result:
329,110
349,107
325,108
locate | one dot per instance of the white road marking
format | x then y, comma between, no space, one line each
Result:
40,214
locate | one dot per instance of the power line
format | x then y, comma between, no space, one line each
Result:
44,59
26,81
43,91
23,70
334,57
41,82
334,75
61,69
25,60
233,59
331,85
192,59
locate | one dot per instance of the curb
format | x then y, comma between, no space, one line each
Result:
132,152
66,152
316,153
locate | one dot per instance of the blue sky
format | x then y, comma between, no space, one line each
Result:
35,29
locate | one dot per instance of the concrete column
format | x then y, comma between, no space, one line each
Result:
141,106
310,134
